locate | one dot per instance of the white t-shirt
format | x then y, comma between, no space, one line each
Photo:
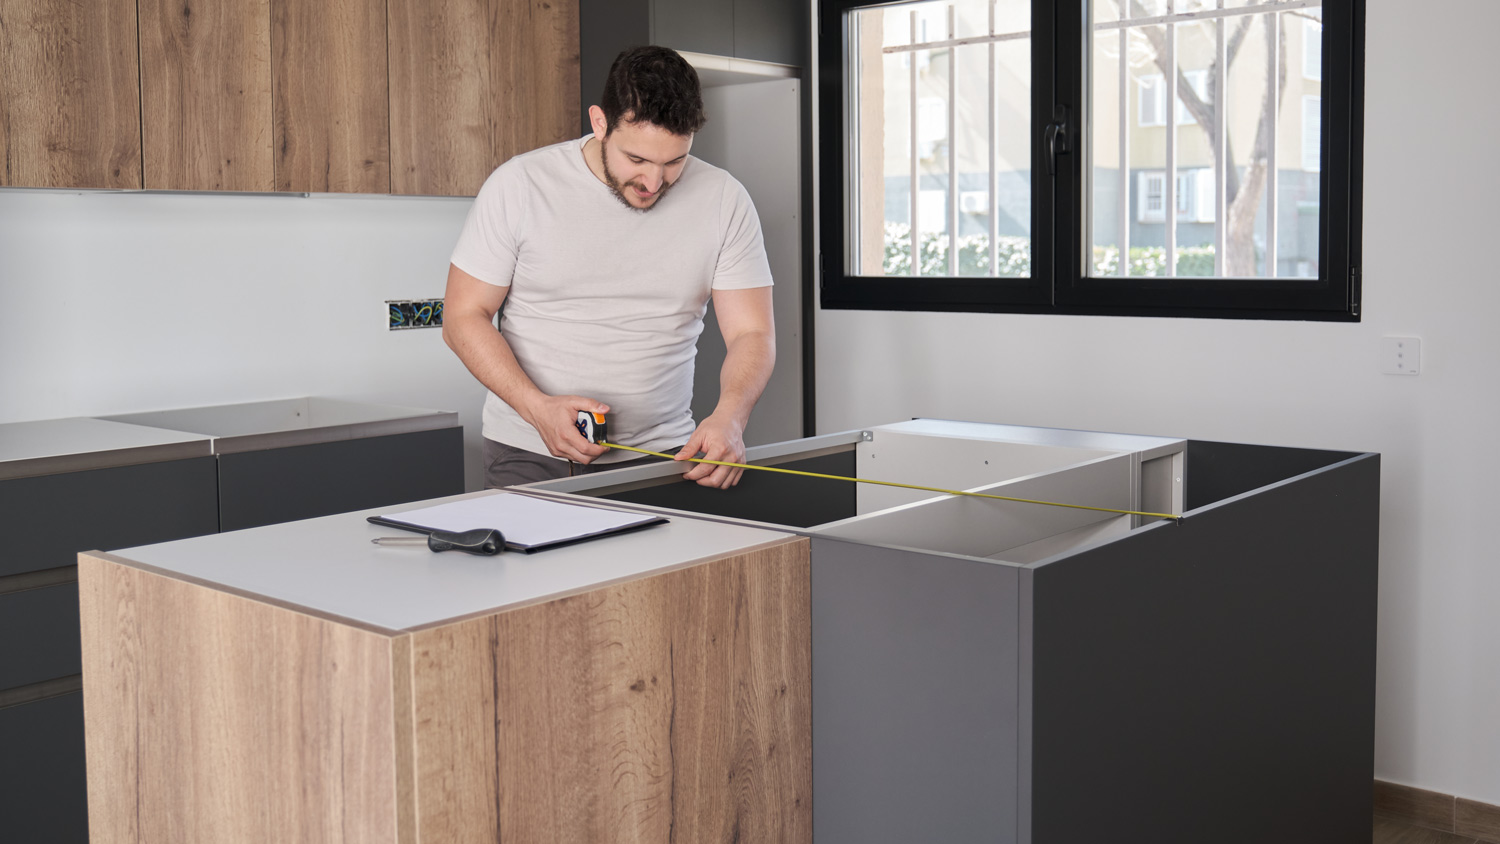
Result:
607,301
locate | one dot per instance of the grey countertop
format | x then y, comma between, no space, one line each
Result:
329,566
70,445
76,444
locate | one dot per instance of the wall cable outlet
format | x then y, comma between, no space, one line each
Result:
414,313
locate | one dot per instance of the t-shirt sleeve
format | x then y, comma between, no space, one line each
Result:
491,237
742,255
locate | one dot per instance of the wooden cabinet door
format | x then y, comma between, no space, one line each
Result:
474,82
69,103
205,79
332,126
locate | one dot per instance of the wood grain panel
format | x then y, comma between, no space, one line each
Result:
69,99
674,708
213,717
332,129
1476,819
1414,805
206,95
474,82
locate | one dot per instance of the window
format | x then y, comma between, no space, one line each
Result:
1153,98
981,155
1195,196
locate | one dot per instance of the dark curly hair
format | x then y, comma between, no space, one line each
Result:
653,85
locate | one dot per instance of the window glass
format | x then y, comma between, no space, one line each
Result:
941,183
1242,202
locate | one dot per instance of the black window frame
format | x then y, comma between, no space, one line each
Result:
1057,284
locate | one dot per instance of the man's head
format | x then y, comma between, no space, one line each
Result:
652,106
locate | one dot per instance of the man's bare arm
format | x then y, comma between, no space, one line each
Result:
748,325
469,308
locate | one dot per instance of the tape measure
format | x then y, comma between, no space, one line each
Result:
596,425
592,426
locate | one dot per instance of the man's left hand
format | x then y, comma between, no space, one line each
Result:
717,438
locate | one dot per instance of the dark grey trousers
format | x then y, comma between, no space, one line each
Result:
507,466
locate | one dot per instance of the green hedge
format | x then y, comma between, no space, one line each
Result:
1013,255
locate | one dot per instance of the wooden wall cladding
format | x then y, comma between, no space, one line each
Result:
328,60
205,77
69,103
474,82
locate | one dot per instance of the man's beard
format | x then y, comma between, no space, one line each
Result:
619,189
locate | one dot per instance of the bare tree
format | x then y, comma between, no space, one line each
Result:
1241,195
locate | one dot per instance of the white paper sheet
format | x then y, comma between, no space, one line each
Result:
526,522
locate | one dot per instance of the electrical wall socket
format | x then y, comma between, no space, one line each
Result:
1401,355
414,313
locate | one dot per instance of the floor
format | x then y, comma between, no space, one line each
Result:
1396,832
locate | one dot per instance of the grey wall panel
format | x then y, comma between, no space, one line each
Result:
697,26
1216,471
43,795
285,484
771,31
39,635
1231,656
914,696
605,27
47,520
764,496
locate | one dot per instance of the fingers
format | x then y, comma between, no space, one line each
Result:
559,430
713,475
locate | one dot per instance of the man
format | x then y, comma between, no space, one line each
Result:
604,252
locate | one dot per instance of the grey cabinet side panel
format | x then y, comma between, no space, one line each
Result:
605,27
771,31
39,635
285,484
1216,471
697,26
914,696
47,520
43,794
1213,679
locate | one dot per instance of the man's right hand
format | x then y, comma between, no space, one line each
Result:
556,417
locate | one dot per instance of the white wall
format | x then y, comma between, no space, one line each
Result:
121,302
1431,174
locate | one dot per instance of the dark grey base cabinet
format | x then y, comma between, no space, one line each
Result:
48,519
1010,672
43,793
302,482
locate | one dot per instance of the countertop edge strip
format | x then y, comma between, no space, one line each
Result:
58,464
334,433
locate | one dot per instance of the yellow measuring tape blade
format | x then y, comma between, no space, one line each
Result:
892,483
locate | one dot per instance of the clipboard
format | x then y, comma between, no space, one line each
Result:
529,524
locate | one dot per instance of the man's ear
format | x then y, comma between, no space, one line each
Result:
598,122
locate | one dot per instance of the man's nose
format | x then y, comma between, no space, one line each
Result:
653,178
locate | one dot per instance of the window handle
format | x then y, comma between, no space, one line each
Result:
1056,138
